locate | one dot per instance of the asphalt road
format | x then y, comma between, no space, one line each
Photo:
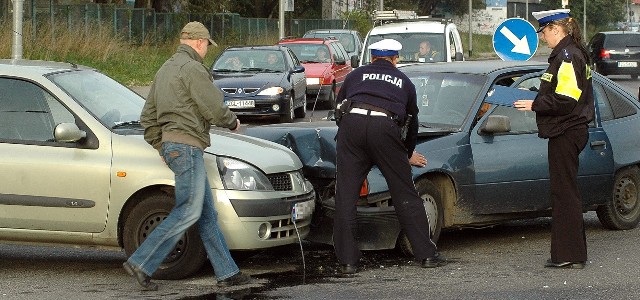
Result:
502,262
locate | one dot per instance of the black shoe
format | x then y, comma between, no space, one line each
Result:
434,261
238,279
143,279
565,264
348,269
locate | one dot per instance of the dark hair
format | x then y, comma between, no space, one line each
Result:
572,28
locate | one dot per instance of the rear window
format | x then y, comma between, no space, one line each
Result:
622,40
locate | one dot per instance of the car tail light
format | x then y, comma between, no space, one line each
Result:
604,53
364,189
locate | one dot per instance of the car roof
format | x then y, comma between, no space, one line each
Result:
432,26
35,67
308,41
259,47
473,66
618,32
330,31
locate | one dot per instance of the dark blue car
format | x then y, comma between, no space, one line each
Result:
486,163
265,81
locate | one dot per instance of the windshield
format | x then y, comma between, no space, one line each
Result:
445,99
106,99
416,46
249,60
310,53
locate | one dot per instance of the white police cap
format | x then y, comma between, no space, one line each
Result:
548,16
386,47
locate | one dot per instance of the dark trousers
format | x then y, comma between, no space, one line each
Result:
568,240
364,141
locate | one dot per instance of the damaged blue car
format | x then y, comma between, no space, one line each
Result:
486,163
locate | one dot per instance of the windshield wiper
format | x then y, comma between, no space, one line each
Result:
424,125
254,69
125,124
223,70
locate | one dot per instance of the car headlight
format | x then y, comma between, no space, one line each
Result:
313,80
238,175
272,91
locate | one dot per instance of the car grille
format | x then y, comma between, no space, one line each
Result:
280,181
284,228
240,90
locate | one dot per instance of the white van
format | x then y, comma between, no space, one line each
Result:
442,34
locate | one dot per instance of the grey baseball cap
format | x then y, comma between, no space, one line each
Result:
195,31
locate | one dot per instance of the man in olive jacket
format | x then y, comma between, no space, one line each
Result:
182,105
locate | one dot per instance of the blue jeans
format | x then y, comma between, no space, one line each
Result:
194,203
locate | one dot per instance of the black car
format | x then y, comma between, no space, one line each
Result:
616,53
262,81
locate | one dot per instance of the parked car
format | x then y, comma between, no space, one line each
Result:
76,171
325,75
349,38
262,81
486,163
615,53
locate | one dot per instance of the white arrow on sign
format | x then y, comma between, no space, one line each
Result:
520,45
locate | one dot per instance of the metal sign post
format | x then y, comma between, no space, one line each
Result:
16,49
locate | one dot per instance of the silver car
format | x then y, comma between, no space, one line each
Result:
75,170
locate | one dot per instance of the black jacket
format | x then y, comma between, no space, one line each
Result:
565,99
381,84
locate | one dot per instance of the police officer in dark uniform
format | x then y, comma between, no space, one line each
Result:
564,107
379,99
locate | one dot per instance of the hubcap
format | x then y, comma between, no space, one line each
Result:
431,209
626,196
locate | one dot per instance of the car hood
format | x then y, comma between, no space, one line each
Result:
269,157
316,69
315,144
250,80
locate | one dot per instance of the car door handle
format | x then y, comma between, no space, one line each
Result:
597,144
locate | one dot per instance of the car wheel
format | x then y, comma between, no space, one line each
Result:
331,101
623,211
186,258
434,210
634,77
288,117
301,111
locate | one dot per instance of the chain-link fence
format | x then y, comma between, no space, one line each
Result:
140,25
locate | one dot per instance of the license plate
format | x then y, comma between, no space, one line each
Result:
304,210
240,103
627,64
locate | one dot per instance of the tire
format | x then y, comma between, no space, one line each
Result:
288,117
331,101
623,211
432,201
301,111
634,76
189,254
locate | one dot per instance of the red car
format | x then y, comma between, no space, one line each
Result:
326,64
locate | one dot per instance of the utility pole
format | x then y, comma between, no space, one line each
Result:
16,49
470,29
281,19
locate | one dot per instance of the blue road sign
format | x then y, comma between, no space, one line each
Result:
515,39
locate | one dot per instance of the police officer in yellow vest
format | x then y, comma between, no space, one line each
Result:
564,107
379,99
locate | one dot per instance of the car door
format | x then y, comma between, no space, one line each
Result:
511,169
341,70
298,80
47,185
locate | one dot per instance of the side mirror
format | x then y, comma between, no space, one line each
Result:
298,69
459,56
354,61
340,62
68,133
496,124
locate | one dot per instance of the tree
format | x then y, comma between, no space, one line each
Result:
600,13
